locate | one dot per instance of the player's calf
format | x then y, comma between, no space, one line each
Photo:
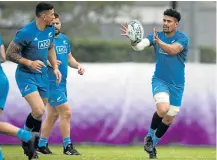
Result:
165,124
52,116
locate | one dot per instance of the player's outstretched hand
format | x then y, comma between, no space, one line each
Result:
37,65
81,70
58,75
124,29
156,39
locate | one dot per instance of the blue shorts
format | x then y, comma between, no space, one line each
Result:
175,92
31,82
4,88
58,94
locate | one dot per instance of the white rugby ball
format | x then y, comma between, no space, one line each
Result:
135,31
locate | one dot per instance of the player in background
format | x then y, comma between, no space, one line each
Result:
168,81
35,44
58,105
6,128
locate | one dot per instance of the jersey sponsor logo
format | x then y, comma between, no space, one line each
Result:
61,49
44,44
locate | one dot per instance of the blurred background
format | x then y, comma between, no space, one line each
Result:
112,103
93,27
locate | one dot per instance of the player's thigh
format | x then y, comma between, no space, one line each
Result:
176,94
43,86
4,88
52,113
57,97
45,101
161,95
36,103
59,101
26,82
159,86
64,110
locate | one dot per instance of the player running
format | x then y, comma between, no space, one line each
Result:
58,105
35,44
171,47
6,128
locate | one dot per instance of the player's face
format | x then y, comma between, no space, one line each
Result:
49,17
57,25
169,24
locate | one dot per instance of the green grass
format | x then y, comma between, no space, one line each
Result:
118,153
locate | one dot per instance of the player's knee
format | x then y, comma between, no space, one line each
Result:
38,113
55,116
162,109
173,110
67,113
161,98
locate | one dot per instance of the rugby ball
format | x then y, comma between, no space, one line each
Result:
135,31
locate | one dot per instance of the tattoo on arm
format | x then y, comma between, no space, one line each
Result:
12,53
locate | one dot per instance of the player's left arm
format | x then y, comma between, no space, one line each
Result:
53,61
171,49
74,64
52,57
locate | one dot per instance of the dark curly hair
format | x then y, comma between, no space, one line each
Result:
173,13
41,7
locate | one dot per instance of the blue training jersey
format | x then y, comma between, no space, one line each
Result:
170,68
35,44
62,49
1,43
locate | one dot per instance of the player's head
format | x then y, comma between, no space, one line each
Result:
57,23
170,20
45,11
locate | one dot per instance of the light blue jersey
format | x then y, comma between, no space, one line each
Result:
58,93
35,46
4,84
62,49
170,68
169,75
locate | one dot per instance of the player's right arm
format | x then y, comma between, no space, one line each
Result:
144,43
20,41
141,45
12,54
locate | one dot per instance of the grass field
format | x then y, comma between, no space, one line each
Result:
118,153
